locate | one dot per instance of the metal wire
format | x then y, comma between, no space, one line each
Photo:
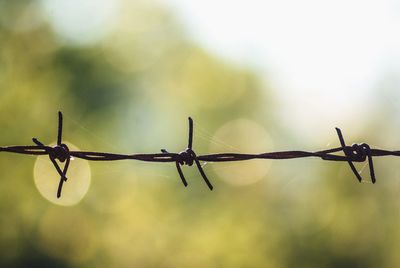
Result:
61,153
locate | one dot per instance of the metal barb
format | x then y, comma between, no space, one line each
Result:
188,157
59,152
359,153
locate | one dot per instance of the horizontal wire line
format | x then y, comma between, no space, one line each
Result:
61,152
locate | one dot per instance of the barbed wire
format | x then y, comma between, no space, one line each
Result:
60,152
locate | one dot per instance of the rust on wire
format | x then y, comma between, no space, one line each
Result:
61,152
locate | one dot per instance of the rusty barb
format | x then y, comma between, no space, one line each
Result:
60,153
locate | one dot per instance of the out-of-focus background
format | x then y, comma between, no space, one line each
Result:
256,76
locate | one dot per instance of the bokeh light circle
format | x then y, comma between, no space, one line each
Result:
74,189
242,136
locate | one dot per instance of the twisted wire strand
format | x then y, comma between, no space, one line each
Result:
60,152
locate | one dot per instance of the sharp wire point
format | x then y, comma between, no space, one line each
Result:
190,142
37,142
178,167
60,125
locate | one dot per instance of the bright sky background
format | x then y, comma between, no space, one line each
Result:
314,54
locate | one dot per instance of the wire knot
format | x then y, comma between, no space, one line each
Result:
358,152
59,152
186,157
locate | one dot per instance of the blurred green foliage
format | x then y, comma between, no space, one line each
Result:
131,92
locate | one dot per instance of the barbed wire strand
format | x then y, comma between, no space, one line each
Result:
60,152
